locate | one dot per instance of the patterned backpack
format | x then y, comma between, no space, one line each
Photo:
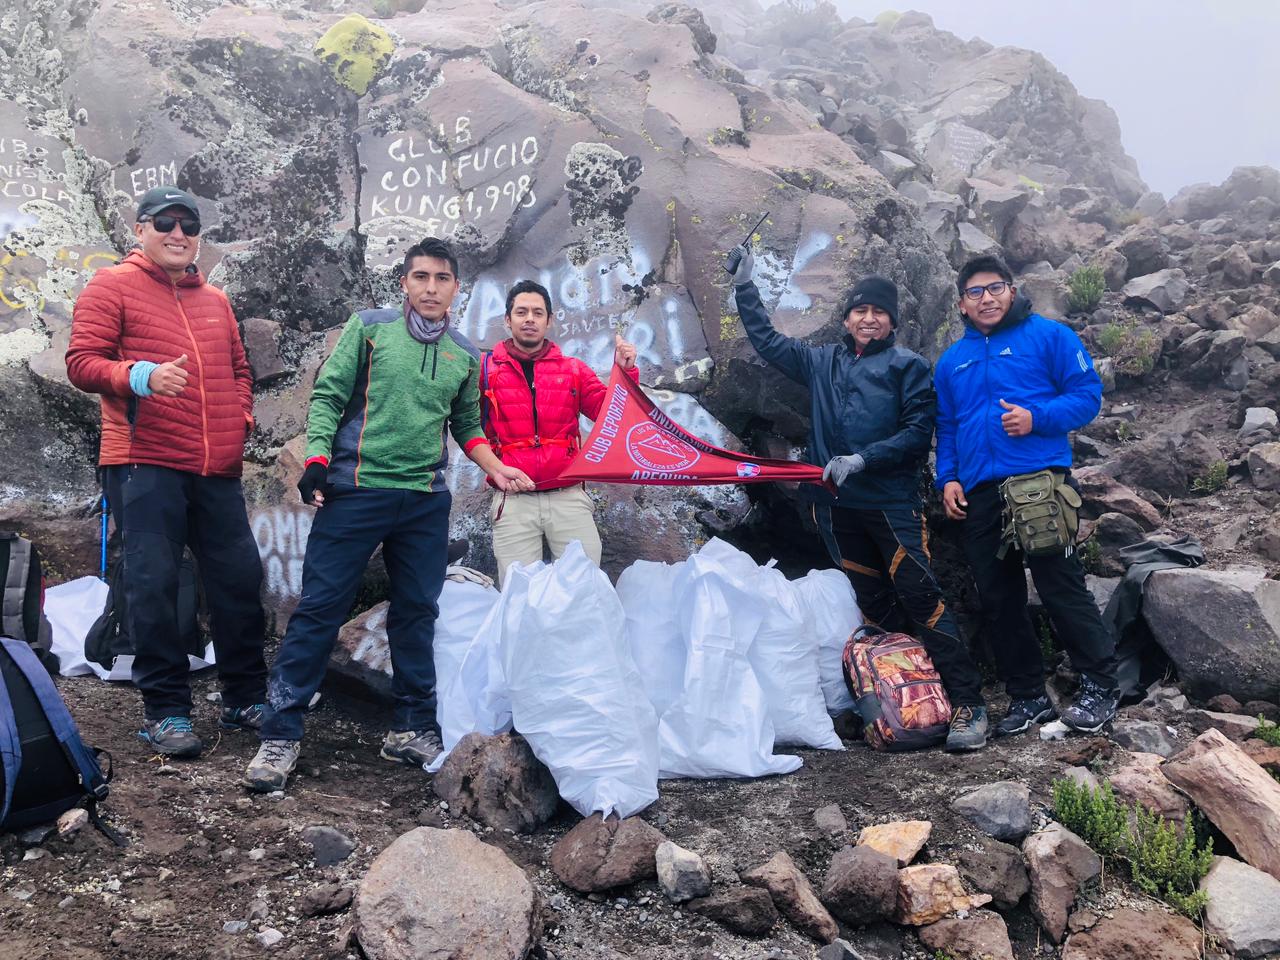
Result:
896,690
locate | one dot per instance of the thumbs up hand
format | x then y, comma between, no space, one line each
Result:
624,353
169,379
1016,420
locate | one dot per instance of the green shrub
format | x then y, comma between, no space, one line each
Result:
1163,861
1169,863
1096,816
1085,289
1134,348
1091,556
1267,732
1212,481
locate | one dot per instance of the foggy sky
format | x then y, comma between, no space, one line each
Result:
1194,82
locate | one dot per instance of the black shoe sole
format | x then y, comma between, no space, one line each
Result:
1042,717
1098,728
189,753
968,748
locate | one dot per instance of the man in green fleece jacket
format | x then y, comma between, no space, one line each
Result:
375,466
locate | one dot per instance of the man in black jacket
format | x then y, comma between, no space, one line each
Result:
872,413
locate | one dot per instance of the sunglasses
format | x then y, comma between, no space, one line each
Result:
995,289
165,224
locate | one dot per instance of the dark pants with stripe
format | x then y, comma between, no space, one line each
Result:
885,554
158,512
413,529
1002,591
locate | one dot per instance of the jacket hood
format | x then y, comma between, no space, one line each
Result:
192,278
500,352
1019,310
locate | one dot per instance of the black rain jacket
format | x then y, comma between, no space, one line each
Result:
880,405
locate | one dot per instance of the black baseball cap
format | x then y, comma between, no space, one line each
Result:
162,198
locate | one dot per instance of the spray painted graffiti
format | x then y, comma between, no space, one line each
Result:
444,179
592,302
281,534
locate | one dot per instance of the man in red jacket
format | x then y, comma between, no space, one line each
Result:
162,348
532,396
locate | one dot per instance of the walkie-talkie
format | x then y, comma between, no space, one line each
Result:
735,256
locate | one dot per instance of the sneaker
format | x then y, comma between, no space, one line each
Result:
237,718
968,729
414,747
172,736
269,770
1023,713
1093,708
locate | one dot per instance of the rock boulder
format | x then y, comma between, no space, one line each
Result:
437,893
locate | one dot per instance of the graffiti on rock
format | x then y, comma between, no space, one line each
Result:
281,534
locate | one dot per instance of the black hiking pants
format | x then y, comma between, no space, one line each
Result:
1002,592
885,554
160,511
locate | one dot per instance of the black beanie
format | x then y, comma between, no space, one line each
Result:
876,291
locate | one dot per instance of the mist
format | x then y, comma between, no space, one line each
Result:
1194,83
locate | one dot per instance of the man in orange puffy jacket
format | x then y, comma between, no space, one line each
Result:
162,348
531,397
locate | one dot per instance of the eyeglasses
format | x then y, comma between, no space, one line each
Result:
164,224
995,289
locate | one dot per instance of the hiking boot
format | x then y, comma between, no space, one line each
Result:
1093,708
269,770
237,718
1023,713
968,729
414,747
172,736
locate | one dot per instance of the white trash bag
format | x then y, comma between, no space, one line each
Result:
72,608
472,697
575,693
785,659
464,606
719,726
654,635
832,613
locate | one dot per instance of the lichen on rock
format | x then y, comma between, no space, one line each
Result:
356,51
601,186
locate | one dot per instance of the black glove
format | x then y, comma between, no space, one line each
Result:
315,477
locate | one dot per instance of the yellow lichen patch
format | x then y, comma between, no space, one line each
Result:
356,51
729,328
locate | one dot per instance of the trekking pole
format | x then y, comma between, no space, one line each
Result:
102,562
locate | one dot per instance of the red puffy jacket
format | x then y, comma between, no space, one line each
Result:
133,311
566,387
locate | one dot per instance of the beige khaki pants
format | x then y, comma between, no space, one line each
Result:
561,516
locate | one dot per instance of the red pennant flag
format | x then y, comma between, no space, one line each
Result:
635,442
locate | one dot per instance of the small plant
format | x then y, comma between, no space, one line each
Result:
1091,556
1044,632
1267,732
1163,860
1085,289
1212,481
1133,348
1096,816
1169,863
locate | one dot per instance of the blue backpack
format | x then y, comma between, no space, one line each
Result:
45,768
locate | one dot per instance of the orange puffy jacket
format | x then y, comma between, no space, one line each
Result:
133,311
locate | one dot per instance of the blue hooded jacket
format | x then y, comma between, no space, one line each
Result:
1027,360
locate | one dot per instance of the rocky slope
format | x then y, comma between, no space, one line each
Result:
616,150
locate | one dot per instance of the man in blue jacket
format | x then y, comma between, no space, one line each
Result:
871,412
1009,391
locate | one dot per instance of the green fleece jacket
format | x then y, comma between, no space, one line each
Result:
382,400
